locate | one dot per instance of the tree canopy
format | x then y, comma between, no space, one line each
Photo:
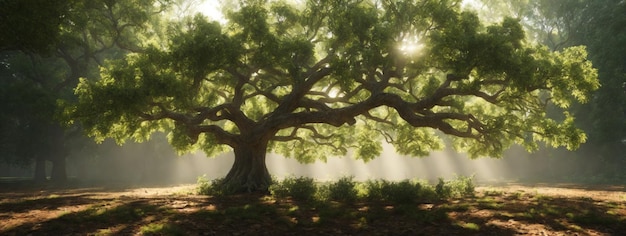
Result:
31,25
598,25
326,77
46,46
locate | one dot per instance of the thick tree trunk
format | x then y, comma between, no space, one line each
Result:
59,172
249,172
57,153
40,170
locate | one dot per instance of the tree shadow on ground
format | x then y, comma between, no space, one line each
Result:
558,184
534,213
20,205
267,216
505,213
104,217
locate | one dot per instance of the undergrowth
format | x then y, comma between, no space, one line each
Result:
347,190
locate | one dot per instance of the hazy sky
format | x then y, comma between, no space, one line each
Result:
210,8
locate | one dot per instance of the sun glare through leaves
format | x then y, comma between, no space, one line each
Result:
211,9
410,45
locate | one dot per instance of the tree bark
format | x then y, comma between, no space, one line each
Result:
59,172
40,170
249,171
57,153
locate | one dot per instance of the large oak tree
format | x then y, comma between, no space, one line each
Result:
327,77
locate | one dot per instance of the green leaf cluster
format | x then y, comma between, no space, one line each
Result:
329,77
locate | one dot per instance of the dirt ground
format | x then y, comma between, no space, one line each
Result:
538,209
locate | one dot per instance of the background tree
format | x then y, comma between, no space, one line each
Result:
550,23
28,132
599,26
328,76
604,32
31,25
46,47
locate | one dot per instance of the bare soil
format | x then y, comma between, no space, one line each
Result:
538,209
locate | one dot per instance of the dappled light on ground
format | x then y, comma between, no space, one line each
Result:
500,210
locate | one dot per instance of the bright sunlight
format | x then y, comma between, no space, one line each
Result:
211,9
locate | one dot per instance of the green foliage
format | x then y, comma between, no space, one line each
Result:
460,186
346,190
204,185
27,111
316,80
442,190
31,25
483,84
416,142
403,192
465,185
300,188
342,190
45,47
376,189
559,25
214,187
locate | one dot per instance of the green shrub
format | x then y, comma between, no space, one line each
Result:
346,190
463,186
403,192
214,187
442,189
427,191
376,189
458,187
343,190
323,193
300,188
204,185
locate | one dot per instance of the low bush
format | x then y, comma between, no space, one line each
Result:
347,190
403,192
376,189
460,186
343,190
463,185
298,188
212,187
442,189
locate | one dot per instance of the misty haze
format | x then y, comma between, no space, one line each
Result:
151,163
